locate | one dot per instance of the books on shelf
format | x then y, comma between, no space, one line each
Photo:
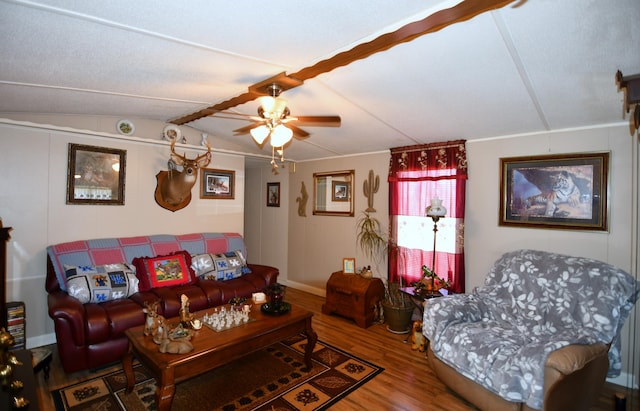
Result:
16,324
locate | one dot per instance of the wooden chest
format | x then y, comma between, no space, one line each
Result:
353,296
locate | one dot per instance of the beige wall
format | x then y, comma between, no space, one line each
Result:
33,165
317,244
485,241
266,228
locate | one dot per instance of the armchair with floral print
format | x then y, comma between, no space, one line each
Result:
542,333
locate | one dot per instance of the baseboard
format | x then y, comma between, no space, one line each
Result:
40,340
303,287
625,379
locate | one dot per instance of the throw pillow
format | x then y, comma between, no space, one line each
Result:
219,267
164,270
102,283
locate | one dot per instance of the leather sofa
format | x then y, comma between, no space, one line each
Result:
90,335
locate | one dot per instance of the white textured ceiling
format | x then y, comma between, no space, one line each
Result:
544,65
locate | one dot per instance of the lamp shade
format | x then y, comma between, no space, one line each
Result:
436,209
281,135
260,133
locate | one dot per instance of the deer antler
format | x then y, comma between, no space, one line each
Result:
181,159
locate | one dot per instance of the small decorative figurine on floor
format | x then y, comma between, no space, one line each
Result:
418,339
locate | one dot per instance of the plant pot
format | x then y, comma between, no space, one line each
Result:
398,319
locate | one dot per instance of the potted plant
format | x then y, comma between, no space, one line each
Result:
397,307
370,237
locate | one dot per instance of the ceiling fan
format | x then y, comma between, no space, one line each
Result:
274,120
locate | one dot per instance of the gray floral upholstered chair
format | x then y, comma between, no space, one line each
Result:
542,333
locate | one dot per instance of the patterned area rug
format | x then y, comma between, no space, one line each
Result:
270,379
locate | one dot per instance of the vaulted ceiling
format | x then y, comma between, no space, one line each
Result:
530,66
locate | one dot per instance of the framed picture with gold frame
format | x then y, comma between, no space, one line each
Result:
349,265
560,191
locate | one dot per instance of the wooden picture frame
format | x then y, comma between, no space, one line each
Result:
95,175
348,265
325,187
217,184
340,191
565,191
273,194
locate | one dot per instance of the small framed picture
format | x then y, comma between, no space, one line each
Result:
349,265
217,184
273,194
95,175
340,191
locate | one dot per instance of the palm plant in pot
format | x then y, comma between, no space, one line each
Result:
397,306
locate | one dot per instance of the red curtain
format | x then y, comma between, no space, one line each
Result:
417,174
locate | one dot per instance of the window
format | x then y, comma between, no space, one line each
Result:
416,175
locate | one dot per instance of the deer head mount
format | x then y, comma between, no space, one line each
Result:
173,190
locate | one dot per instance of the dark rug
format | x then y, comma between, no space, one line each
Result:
270,379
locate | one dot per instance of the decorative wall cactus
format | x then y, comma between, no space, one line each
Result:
370,187
302,201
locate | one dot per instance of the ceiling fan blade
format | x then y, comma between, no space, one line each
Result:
319,121
298,132
246,129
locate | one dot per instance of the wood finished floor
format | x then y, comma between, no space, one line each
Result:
406,384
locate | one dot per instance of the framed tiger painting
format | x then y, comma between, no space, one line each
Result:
560,191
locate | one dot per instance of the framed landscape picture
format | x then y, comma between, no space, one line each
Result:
217,184
95,175
566,191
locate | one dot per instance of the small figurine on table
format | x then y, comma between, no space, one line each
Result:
185,315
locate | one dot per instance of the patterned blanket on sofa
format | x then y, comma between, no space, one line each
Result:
532,303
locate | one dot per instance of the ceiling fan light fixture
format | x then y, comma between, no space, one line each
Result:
273,107
260,133
281,135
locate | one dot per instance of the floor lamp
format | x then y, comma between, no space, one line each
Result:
435,211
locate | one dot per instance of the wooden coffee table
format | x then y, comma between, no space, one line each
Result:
213,349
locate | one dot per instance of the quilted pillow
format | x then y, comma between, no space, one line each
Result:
219,267
164,270
102,283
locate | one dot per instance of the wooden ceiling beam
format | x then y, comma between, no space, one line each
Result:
463,11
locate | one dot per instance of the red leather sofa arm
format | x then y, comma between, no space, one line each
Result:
65,309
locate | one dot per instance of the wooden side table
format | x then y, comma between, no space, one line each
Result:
42,357
353,296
